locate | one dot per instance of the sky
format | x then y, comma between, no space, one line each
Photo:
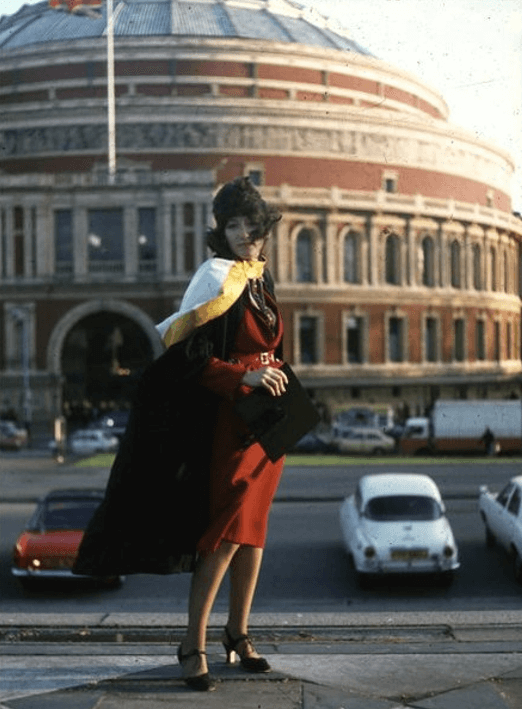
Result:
468,50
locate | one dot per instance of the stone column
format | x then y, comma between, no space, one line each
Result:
164,242
45,257
29,242
283,248
80,236
375,256
9,241
130,242
333,257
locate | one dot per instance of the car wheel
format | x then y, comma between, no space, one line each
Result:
490,537
517,566
112,582
30,584
446,578
365,580
378,451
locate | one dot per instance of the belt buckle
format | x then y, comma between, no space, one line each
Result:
264,357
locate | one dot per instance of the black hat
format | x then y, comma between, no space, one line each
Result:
240,198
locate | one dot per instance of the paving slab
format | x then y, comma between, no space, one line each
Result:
317,697
397,677
483,696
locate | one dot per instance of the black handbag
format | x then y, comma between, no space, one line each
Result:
278,422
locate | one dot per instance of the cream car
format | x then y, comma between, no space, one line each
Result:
363,440
395,523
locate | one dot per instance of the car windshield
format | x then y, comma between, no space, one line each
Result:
395,508
69,514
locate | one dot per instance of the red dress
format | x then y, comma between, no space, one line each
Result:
243,481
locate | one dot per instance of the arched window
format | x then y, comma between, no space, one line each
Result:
304,256
477,268
393,260
351,257
455,264
493,267
428,262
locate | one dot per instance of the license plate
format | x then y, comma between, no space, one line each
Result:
409,554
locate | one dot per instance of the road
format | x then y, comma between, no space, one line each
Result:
305,565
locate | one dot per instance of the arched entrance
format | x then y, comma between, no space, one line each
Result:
102,357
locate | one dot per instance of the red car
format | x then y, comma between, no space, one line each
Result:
47,547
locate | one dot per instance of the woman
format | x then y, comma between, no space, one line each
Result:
224,341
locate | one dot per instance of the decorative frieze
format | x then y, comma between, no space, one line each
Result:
357,144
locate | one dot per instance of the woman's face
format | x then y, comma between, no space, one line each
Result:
239,233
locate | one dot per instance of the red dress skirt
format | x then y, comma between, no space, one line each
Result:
243,481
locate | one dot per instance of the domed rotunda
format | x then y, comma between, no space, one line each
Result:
396,261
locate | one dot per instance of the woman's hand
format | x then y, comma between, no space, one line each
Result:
271,378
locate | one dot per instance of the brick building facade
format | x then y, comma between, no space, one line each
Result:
397,258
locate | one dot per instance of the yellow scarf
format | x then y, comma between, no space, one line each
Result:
215,287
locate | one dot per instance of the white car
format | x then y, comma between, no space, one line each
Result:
363,440
395,523
92,440
502,517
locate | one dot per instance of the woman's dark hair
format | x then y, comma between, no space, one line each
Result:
239,198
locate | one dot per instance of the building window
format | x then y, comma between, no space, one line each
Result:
389,182
19,251
255,173
3,243
33,264
308,345
63,242
189,237
393,260
455,264
477,268
304,256
105,241
355,340
431,340
458,340
351,258
396,339
506,273
147,255
509,341
480,340
493,268
428,262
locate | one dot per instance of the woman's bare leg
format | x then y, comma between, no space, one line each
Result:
244,573
205,584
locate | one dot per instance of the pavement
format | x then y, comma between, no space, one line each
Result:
453,660
468,660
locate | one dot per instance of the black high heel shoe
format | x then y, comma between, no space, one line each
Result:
251,664
200,683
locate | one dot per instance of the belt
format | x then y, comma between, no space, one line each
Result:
258,358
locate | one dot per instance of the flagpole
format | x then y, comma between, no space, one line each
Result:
111,101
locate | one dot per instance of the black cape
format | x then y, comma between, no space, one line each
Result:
155,507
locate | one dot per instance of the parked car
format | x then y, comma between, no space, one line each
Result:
93,440
12,436
395,523
363,440
313,443
115,422
47,547
502,517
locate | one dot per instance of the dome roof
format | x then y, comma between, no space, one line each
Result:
268,20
